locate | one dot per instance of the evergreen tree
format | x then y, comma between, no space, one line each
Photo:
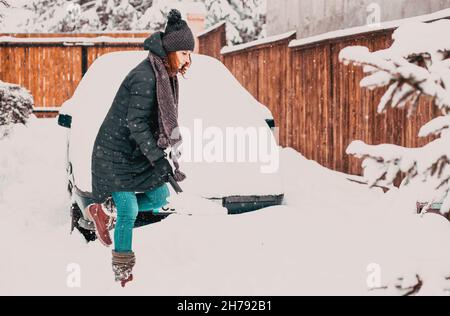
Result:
3,5
16,106
417,65
245,19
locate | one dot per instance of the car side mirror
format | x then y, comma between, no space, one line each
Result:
65,120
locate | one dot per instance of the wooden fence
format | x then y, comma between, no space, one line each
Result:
52,65
263,70
212,40
330,110
316,101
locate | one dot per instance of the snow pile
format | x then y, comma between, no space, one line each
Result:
362,224
192,205
16,105
32,165
333,237
304,184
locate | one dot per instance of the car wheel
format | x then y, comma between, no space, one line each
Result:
76,215
69,188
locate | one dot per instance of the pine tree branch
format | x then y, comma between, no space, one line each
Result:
400,71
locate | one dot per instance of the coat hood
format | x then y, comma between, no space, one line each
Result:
155,45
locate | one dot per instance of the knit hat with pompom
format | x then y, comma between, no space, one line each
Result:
177,36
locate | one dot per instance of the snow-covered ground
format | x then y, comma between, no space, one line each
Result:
332,236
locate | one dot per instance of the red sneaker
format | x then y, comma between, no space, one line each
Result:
102,222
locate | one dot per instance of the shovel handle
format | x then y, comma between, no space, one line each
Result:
175,184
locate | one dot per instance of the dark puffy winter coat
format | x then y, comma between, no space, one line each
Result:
126,148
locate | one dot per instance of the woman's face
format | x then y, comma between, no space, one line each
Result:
184,57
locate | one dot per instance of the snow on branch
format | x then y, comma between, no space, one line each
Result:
16,105
384,162
417,64
407,80
4,4
436,126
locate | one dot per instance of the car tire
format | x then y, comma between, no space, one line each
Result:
76,215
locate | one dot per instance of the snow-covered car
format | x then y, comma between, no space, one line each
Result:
212,103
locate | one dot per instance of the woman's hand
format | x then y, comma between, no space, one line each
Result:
175,153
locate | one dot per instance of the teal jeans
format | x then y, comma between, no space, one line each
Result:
128,206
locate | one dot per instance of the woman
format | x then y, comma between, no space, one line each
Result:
128,155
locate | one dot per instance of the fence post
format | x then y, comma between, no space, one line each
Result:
213,40
84,60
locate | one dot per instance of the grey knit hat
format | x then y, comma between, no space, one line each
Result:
177,36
